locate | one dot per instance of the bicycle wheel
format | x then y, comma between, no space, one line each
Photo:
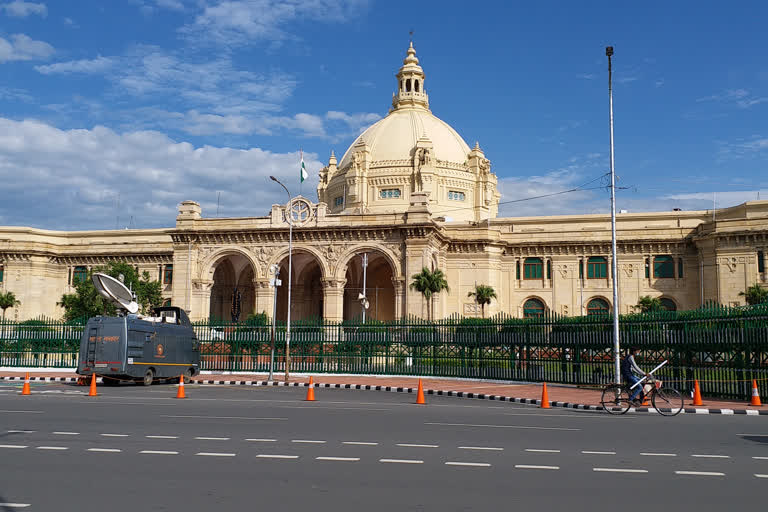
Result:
667,401
615,399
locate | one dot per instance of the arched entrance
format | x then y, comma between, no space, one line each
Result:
379,288
306,288
232,294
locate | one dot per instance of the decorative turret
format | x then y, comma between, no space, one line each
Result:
410,80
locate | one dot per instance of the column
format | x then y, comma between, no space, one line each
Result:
333,299
399,285
263,296
201,299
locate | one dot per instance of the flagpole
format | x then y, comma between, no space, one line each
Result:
301,160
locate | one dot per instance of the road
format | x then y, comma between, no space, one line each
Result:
232,448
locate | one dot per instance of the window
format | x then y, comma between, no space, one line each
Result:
760,264
408,85
647,268
416,84
597,267
668,304
680,268
389,193
532,268
581,269
517,270
663,267
79,275
2,271
455,195
549,269
168,275
339,201
598,307
533,308
166,302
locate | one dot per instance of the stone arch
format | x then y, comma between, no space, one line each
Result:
231,272
309,269
282,254
380,290
208,265
394,262
592,303
525,303
668,303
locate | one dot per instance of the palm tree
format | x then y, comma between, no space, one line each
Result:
755,294
429,282
483,295
8,300
648,303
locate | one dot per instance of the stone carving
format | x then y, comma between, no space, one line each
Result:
263,254
485,166
563,269
629,269
471,309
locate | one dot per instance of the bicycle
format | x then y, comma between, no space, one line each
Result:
667,401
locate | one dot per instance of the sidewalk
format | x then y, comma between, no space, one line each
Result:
559,395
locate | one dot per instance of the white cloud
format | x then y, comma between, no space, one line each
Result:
742,98
744,147
98,65
22,9
23,47
244,21
78,174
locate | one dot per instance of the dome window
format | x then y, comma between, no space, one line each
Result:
389,193
339,201
416,85
455,195
408,85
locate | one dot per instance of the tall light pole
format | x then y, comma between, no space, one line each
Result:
290,271
614,259
274,270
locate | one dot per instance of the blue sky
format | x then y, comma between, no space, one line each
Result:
145,103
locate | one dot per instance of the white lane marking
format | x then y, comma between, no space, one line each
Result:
759,475
472,464
500,426
159,452
30,412
536,450
619,470
712,456
360,443
219,417
529,466
114,435
490,448
402,461
109,450
340,459
212,438
21,431
760,458
67,433
214,454
587,452
12,446
410,445
309,441
650,454
700,473
274,456
259,440
14,505
753,435
162,437
52,448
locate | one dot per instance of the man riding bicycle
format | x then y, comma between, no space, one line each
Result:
628,370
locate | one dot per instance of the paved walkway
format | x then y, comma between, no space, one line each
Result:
557,393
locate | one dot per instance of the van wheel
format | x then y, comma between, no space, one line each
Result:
187,375
148,377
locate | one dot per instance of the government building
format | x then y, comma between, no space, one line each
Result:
410,193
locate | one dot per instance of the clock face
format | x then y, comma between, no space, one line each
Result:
299,211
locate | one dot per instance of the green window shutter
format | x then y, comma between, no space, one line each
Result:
549,269
760,263
168,274
597,307
581,269
533,268
680,268
663,267
517,270
80,274
2,271
533,308
647,268
597,267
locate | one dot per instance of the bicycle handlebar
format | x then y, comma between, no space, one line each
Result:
649,373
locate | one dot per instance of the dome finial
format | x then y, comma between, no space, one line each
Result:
410,80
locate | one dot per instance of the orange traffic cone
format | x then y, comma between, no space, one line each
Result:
311,390
25,389
180,393
92,391
696,393
755,395
420,394
544,397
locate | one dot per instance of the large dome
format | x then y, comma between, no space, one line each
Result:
395,136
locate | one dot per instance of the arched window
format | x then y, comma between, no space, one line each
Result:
80,274
663,267
408,85
166,302
597,267
533,308
598,307
668,304
532,268
416,85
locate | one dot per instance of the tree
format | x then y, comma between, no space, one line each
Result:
86,301
647,304
8,300
429,283
483,295
755,294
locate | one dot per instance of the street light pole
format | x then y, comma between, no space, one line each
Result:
275,271
290,271
365,271
614,258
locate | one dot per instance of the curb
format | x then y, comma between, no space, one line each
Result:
437,392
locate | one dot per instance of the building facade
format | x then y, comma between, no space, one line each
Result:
410,193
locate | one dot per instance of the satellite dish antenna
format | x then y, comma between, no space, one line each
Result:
115,292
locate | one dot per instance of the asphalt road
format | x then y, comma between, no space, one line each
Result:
251,448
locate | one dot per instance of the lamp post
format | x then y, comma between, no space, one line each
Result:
290,270
274,270
363,298
614,259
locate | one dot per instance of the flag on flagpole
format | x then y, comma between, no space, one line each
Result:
304,174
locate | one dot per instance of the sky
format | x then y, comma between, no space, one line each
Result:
112,113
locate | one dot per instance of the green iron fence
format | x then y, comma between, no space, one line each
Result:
724,348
